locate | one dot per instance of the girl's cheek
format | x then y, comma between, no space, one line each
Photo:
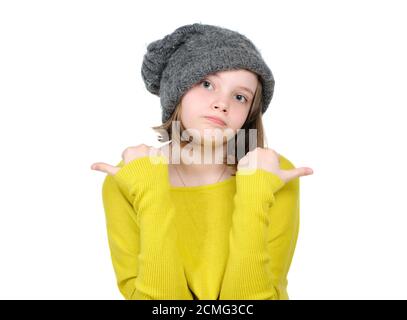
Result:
200,94
239,115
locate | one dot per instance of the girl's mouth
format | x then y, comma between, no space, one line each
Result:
215,120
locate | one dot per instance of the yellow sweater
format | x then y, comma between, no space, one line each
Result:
234,239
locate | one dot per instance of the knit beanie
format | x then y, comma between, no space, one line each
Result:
179,60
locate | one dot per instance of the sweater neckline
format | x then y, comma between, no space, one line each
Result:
204,186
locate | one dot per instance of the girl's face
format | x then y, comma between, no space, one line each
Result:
227,95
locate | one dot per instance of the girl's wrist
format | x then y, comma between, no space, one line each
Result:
149,172
257,183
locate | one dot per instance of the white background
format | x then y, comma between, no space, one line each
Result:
71,94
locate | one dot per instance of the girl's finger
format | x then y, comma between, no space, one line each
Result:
297,172
104,167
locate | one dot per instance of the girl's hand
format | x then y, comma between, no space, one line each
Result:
128,155
267,159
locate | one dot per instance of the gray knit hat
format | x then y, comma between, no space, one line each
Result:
176,62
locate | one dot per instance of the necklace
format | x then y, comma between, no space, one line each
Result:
186,185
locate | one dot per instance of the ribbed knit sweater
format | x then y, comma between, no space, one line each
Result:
233,239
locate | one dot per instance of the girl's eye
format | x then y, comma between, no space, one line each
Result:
239,95
205,81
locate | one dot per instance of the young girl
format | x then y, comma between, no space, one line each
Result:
202,217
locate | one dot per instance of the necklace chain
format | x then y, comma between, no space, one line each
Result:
186,185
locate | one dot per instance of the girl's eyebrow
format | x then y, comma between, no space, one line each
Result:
246,89
239,87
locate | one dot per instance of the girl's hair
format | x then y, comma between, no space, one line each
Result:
253,121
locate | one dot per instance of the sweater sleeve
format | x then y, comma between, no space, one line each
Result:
283,234
261,239
141,232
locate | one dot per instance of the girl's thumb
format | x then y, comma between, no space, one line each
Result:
104,167
298,172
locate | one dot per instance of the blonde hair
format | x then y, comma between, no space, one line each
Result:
253,121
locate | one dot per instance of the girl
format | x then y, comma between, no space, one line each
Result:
180,224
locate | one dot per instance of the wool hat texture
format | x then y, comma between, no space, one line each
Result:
173,64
